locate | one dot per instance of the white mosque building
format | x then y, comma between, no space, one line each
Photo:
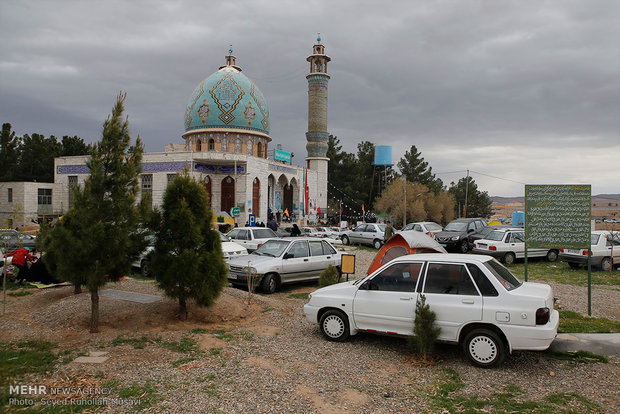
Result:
226,146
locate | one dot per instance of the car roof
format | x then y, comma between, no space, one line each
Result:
505,229
446,257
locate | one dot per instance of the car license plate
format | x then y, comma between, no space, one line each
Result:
573,251
482,245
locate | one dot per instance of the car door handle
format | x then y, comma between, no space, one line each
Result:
406,298
468,301
329,257
305,260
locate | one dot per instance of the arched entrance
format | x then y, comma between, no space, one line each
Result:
228,194
287,203
256,197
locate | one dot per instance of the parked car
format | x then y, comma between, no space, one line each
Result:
601,246
454,236
479,305
329,232
251,237
282,261
312,232
12,240
509,244
429,228
367,233
483,232
229,249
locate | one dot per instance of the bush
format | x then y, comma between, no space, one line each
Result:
424,329
329,276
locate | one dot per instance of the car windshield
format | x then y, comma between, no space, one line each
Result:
273,248
456,226
485,230
505,277
263,233
495,235
433,227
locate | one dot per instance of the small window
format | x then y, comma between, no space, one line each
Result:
170,178
147,184
371,229
211,145
243,235
327,249
360,228
400,277
299,249
450,279
316,248
484,285
44,196
10,195
417,227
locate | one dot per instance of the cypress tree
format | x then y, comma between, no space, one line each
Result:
97,240
187,260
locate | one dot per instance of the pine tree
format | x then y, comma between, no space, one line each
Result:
97,240
425,330
9,154
478,202
187,261
416,170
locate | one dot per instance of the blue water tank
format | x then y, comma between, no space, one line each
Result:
518,219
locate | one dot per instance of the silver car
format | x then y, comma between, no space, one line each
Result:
281,261
367,233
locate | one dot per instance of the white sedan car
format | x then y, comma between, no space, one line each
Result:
281,261
251,237
602,243
479,304
427,227
508,245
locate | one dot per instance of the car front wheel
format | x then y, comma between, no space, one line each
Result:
335,325
484,348
552,255
345,240
270,283
464,247
509,258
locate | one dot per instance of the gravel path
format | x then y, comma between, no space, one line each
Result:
267,358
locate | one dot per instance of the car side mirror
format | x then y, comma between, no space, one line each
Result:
288,256
364,286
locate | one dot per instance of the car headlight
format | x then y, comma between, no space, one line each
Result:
309,298
250,270
455,238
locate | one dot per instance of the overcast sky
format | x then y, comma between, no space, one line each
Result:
526,91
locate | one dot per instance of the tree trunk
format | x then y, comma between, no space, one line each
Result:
94,311
77,289
182,309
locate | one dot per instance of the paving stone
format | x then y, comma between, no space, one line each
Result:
91,360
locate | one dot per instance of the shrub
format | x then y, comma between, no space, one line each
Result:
425,330
329,276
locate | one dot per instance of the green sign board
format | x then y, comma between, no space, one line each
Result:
282,156
235,211
557,216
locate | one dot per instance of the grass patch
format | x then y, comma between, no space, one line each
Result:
560,272
268,309
222,334
199,331
298,295
572,322
10,285
137,343
185,360
211,390
26,357
578,357
215,351
510,399
185,345
20,293
144,396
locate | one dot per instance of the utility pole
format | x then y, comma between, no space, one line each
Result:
466,188
405,203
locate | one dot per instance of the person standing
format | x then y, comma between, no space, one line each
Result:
389,231
272,223
296,232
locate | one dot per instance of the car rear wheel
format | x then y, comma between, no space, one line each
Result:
464,247
552,255
335,325
377,244
270,283
484,348
345,240
509,258
606,264
145,268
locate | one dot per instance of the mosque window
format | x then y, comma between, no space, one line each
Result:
249,147
259,150
211,145
238,146
198,145
147,184
224,145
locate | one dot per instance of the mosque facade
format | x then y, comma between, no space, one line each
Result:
227,147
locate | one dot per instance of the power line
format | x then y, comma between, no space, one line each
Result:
499,178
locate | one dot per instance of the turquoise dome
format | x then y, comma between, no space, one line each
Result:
227,100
